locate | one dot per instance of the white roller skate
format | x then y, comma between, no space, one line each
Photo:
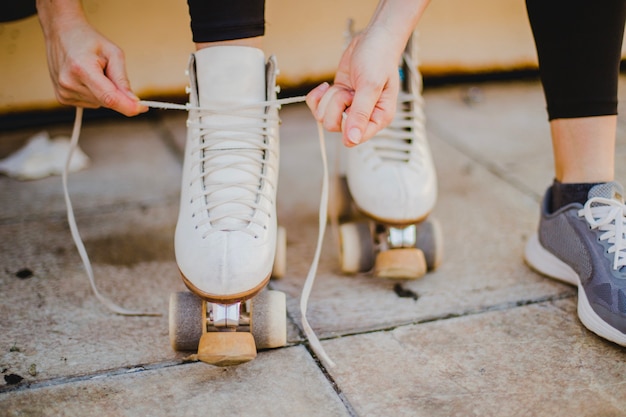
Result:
392,181
226,235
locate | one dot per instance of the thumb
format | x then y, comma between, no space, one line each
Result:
117,74
128,102
359,116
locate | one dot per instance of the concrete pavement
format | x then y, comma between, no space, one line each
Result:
481,336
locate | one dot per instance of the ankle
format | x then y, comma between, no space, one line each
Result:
256,42
567,193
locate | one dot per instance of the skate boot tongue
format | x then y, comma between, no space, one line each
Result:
232,141
609,190
230,75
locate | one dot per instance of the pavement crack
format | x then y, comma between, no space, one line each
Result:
335,386
23,386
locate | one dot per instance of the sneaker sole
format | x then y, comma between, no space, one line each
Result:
545,263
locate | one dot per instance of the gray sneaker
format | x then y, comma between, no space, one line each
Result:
586,246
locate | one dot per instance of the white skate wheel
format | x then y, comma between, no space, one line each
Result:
279,269
357,248
340,202
185,320
430,241
268,323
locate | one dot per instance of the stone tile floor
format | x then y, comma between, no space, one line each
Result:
481,336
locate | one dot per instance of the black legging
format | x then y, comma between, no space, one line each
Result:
211,20
223,20
579,45
15,10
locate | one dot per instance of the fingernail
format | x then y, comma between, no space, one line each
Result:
324,86
354,135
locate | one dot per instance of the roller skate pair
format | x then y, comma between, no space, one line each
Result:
227,241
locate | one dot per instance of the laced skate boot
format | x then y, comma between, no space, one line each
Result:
585,246
225,237
391,179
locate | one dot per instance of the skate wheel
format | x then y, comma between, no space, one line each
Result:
185,321
356,248
226,348
280,259
402,263
340,201
269,319
430,241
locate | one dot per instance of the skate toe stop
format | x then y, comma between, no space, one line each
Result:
226,348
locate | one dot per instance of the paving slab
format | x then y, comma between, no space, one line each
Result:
66,345
53,321
126,205
283,383
534,360
504,127
130,164
485,224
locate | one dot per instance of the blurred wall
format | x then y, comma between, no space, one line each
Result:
306,36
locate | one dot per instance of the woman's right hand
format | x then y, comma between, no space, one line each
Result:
362,99
87,69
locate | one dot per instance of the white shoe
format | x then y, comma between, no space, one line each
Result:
225,238
392,177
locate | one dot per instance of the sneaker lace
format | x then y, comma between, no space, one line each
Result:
400,142
608,216
249,143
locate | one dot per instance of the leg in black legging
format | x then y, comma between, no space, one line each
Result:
579,48
213,21
15,10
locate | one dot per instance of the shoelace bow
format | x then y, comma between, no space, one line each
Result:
608,216
314,342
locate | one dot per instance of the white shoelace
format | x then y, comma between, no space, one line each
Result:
250,151
395,142
74,229
314,342
608,216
